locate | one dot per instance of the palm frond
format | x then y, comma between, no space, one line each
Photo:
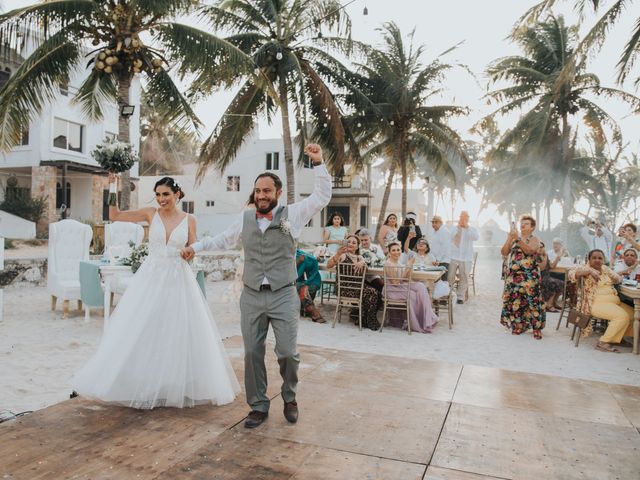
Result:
163,91
215,61
97,90
220,149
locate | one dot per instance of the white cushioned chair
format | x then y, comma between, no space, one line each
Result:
69,242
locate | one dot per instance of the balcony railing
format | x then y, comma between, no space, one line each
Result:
342,182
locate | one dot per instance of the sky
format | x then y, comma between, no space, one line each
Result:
483,26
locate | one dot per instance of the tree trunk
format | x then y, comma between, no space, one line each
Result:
124,135
288,144
385,200
430,202
403,166
567,199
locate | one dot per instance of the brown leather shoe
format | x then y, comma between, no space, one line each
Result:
255,419
291,412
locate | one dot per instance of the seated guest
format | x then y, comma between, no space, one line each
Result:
421,315
552,287
409,233
440,242
308,284
371,253
629,267
370,297
422,256
557,252
627,234
601,300
334,233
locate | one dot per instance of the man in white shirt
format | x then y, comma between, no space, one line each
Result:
269,234
440,242
599,238
462,254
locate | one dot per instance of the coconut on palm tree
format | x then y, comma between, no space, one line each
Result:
551,104
279,35
116,40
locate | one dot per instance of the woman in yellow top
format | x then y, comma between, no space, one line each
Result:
601,300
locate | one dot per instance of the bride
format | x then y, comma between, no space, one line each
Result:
162,347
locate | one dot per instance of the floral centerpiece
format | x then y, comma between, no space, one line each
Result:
137,255
371,259
114,157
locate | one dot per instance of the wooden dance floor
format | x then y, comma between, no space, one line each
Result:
361,417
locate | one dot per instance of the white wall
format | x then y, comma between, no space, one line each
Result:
12,226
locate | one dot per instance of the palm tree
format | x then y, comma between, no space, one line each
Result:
164,146
390,94
552,104
279,36
596,36
128,38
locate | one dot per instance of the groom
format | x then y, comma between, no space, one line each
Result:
269,235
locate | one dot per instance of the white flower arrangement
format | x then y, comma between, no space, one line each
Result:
370,259
285,226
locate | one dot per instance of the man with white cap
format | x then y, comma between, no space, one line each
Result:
440,242
462,254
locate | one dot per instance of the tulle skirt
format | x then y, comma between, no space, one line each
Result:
162,346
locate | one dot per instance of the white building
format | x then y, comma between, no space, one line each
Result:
54,156
219,199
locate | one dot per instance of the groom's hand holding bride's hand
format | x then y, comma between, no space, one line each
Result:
187,253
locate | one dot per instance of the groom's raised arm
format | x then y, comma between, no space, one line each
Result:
301,212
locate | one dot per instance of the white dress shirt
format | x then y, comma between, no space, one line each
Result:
440,243
299,215
464,251
602,242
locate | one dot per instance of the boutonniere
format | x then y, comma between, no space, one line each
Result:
285,226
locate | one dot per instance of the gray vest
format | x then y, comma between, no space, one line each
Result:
271,254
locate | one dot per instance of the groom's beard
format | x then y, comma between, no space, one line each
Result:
272,204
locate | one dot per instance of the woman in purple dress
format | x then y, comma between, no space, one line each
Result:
421,315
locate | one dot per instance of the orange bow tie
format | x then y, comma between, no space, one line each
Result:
268,216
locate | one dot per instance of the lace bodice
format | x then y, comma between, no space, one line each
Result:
158,244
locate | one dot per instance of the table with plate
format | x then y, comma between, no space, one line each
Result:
426,275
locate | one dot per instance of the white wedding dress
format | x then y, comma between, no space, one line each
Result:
162,347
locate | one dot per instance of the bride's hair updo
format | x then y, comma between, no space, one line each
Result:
172,184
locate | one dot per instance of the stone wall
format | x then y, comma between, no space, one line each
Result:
29,271
43,184
217,266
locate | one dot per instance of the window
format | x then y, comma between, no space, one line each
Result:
273,161
4,76
60,195
233,184
24,137
211,203
187,207
67,135
363,215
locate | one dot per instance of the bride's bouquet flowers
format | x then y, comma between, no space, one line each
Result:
115,157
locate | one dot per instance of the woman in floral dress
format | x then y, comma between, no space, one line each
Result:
370,296
522,304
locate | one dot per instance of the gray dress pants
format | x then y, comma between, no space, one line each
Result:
257,309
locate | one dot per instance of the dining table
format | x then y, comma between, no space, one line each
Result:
633,292
426,275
